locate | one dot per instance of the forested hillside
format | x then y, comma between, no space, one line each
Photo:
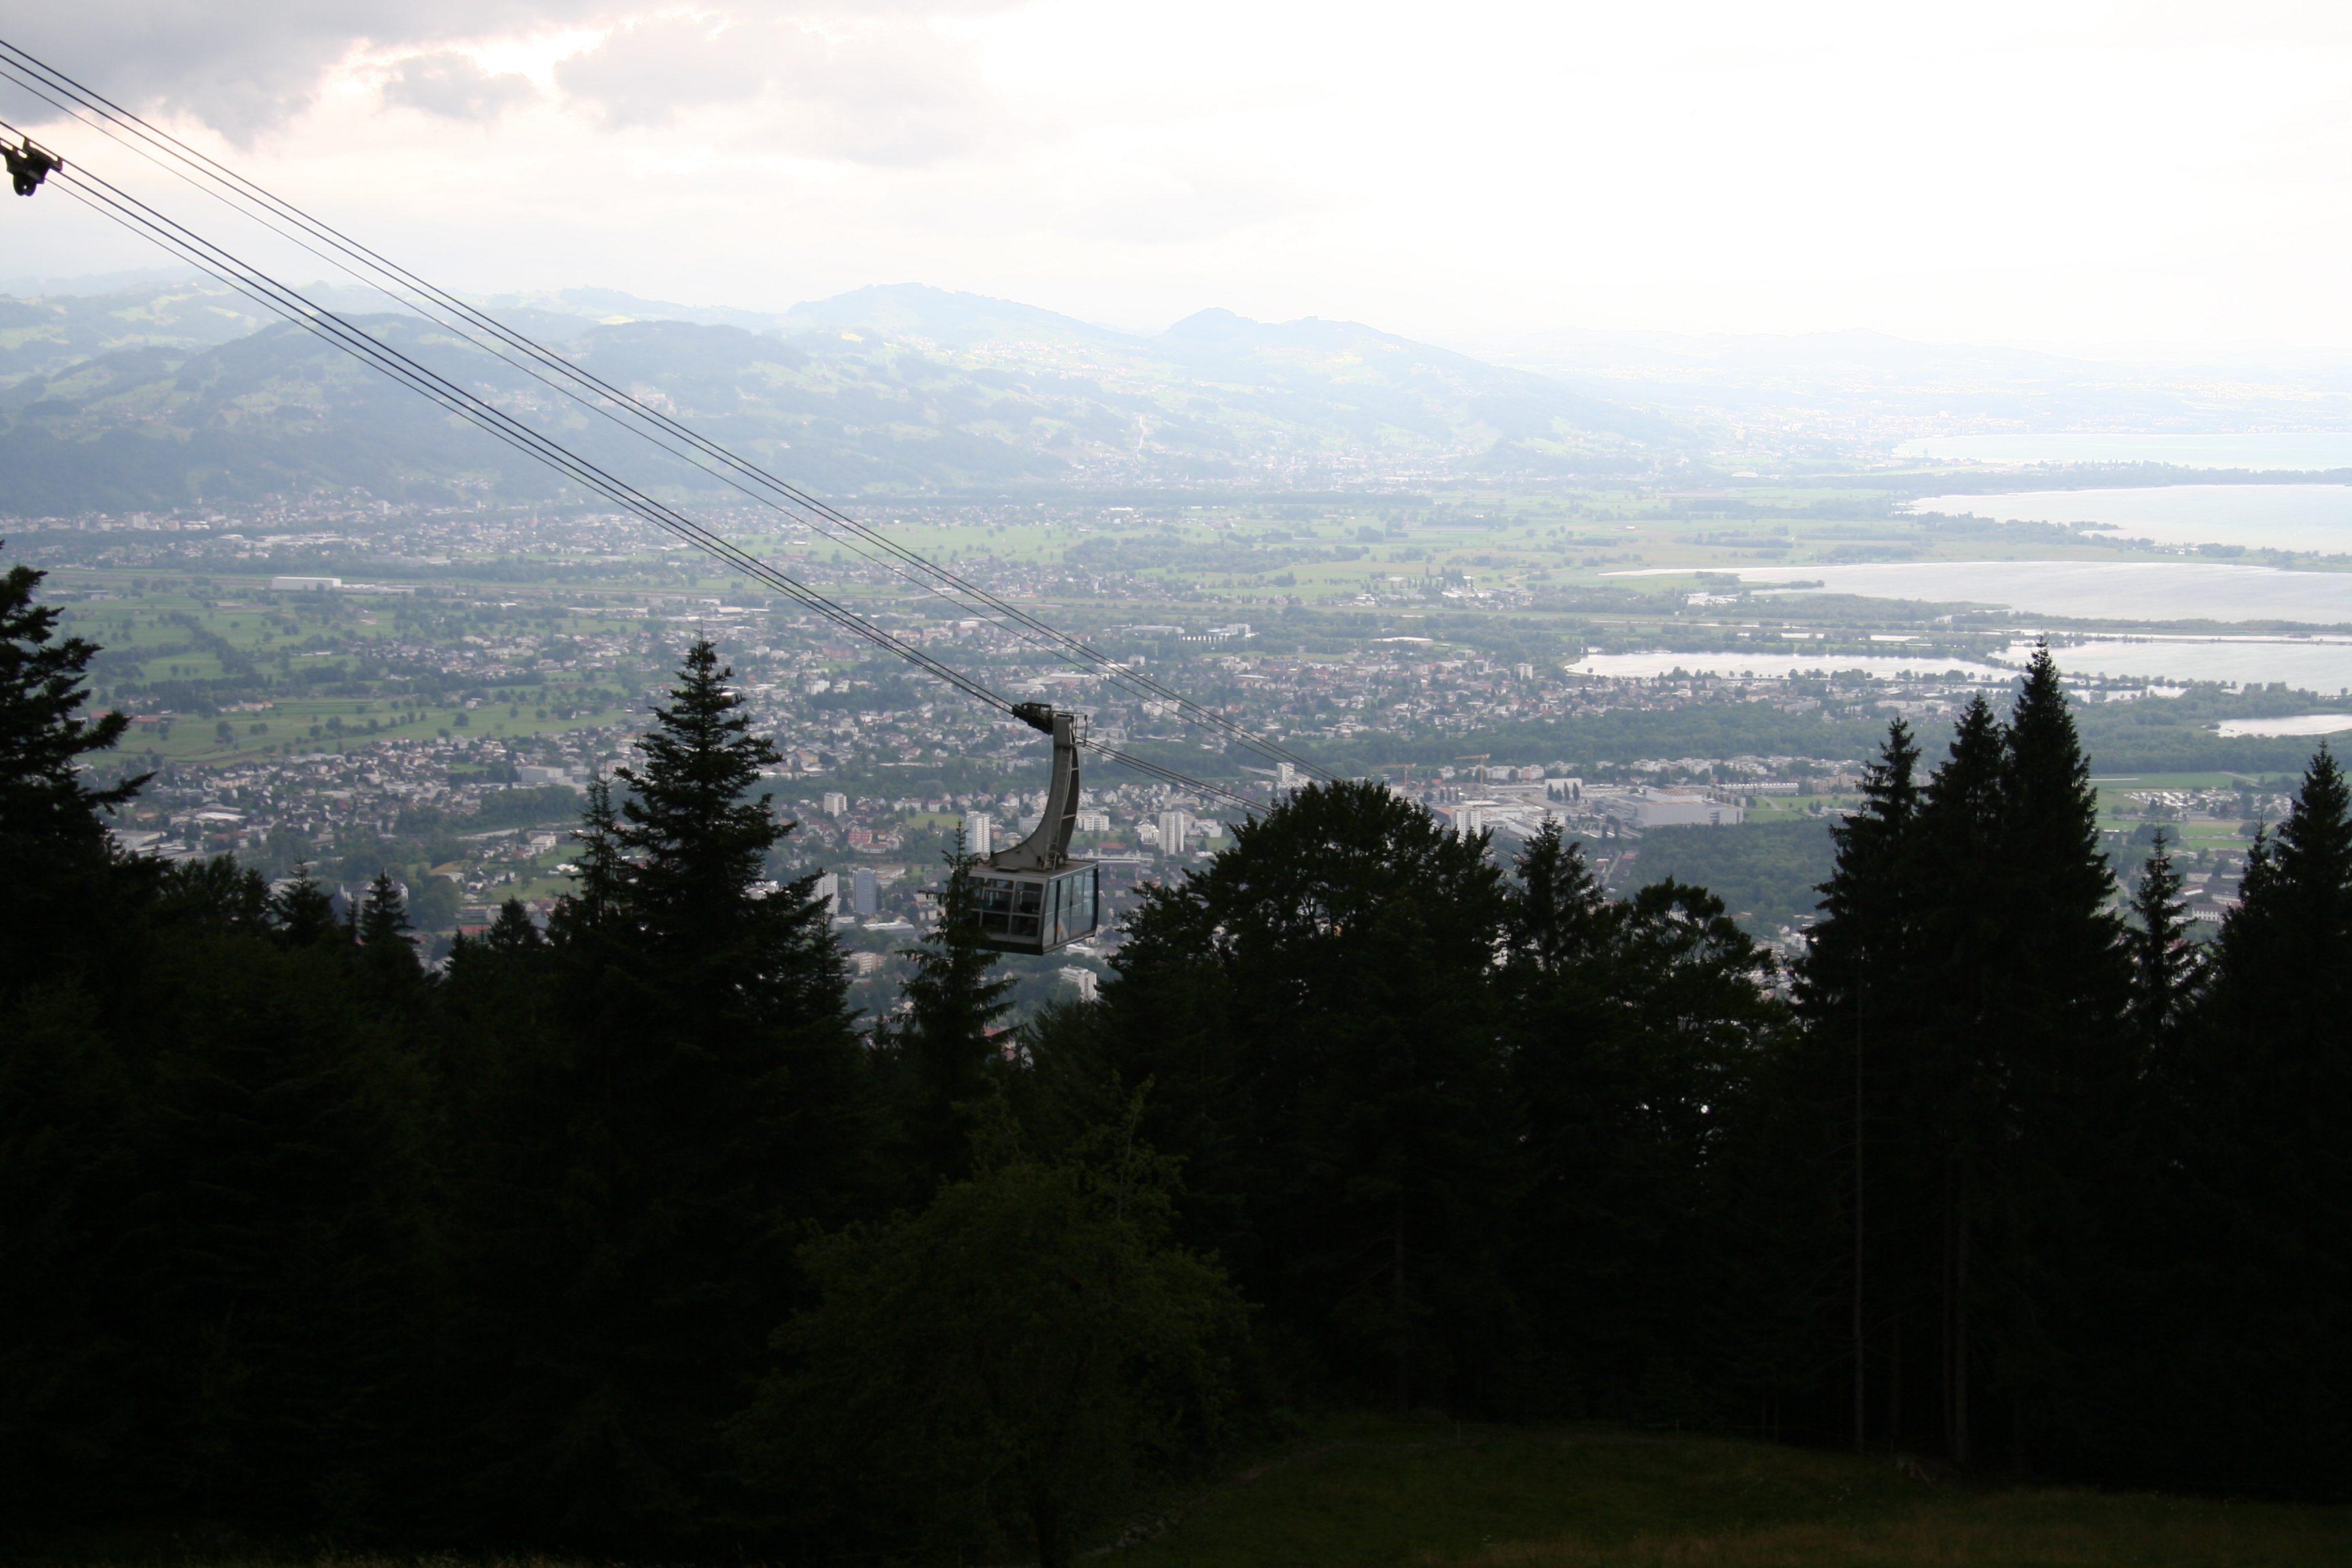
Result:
627,1236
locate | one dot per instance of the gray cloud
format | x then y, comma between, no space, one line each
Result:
646,72
877,88
453,86
247,68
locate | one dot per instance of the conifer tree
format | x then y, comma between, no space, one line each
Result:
2065,995
2284,958
382,915
303,914
2259,1173
2166,967
1632,1027
599,879
42,691
2068,981
940,1043
1858,987
695,839
691,1098
1558,912
513,930
1952,1118
215,892
380,926
1316,1013
54,862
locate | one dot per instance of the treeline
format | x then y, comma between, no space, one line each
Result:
622,1236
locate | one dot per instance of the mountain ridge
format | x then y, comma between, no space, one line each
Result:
163,398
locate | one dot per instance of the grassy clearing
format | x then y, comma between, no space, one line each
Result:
1363,1492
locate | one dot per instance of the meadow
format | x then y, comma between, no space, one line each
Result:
1373,1491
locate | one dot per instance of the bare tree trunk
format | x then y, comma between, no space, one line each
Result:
1961,1446
1895,1381
1050,1524
1944,1328
1403,1341
1861,1363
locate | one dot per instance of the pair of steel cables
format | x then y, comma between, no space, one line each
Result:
582,386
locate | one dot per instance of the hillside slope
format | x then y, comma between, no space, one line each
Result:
1435,1494
119,402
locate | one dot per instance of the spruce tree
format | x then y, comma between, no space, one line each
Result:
2069,1083
1558,912
2165,966
303,914
2068,979
42,732
2259,1176
940,1043
513,930
380,928
691,1097
1951,1116
382,916
1858,987
2285,957
601,871
695,838
1630,1057
64,897
1318,1014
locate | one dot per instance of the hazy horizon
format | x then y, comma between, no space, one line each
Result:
2098,180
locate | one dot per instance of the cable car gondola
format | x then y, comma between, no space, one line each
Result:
1032,896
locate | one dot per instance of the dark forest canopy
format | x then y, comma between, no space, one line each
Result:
627,1236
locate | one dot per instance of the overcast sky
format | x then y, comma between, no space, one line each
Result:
2047,173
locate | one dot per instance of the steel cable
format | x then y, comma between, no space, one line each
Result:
601,396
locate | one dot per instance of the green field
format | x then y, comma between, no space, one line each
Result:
1368,1491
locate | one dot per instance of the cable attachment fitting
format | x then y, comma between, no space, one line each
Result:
30,164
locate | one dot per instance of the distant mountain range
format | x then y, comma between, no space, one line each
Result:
177,392
1852,391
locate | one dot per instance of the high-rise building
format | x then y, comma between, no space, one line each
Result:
1082,980
1287,776
836,802
1173,826
864,892
828,893
979,833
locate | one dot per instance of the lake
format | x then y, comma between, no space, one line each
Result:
2300,724
2305,665
2091,589
1648,665
2277,517
2296,451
